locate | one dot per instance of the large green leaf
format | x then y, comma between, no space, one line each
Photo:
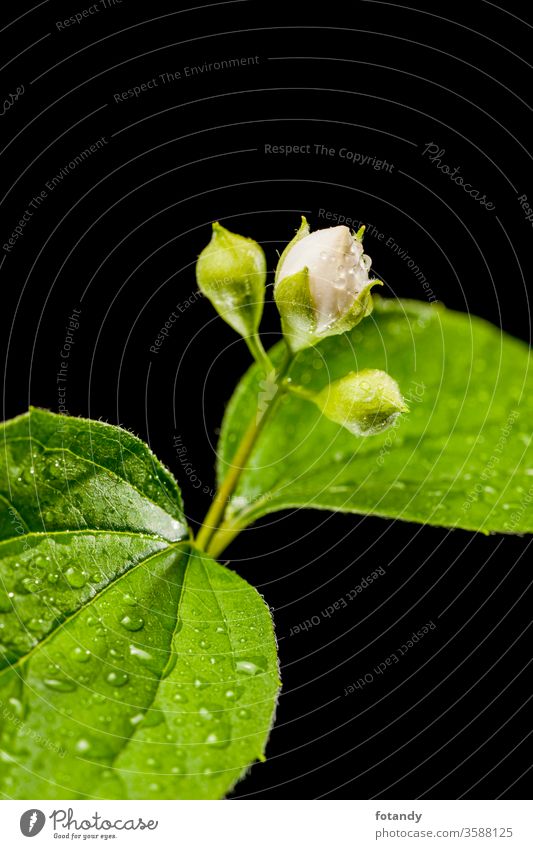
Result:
131,666
462,457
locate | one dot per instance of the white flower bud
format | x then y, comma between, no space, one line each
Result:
322,284
336,268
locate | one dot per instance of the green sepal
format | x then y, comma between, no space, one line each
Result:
360,309
297,311
301,233
298,317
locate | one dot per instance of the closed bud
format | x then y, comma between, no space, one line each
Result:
231,273
322,285
365,402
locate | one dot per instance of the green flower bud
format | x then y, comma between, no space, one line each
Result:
365,402
322,287
231,273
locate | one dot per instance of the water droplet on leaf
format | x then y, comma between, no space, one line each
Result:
80,654
117,678
251,665
140,653
61,685
131,622
75,577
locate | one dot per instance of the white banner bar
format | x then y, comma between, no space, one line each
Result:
264,824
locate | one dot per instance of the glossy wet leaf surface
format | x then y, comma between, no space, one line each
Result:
130,666
462,457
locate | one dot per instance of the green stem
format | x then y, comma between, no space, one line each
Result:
228,531
222,538
299,391
259,354
215,514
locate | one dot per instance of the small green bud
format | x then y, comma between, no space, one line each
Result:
231,273
365,402
322,286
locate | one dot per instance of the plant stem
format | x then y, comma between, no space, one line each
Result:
222,538
300,391
215,514
226,532
259,354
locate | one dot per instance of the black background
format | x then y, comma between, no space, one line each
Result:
118,239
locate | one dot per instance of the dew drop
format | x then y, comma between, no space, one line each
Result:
218,741
140,653
35,624
95,747
17,707
61,685
117,678
27,585
129,600
76,577
205,714
251,666
40,562
233,695
131,622
80,654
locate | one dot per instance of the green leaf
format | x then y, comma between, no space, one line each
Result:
131,666
61,473
462,457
